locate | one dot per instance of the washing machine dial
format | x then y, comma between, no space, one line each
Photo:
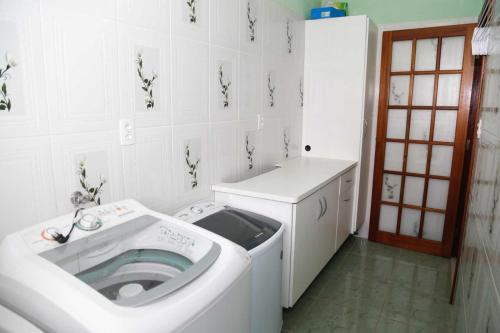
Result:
50,233
89,222
196,210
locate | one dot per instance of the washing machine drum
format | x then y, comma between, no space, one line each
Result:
244,228
125,277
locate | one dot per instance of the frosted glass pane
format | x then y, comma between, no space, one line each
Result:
401,56
448,89
452,52
400,86
394,156
442,157
410,222
391,188
426,54
433,226
417,158
414,191
445,125
396,124
423,90
388,219
437,193
420,124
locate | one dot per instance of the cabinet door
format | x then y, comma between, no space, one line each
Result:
313,237
345,217
330,196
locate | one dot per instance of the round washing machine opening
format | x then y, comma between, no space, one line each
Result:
131,277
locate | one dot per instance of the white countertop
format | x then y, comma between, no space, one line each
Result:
295,180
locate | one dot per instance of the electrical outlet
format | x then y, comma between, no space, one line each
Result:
127,132
260,121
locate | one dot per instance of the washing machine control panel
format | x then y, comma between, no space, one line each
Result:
198,211
41,237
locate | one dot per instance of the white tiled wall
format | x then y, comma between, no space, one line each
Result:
77,75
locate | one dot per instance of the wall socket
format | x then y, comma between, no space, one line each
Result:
127,132
260,122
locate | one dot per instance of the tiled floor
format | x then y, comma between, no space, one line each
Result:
370,287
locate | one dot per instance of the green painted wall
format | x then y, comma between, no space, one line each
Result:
302,7
392,11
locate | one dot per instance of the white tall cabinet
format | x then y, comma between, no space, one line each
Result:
339,79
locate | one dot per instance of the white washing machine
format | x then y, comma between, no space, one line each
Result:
140,271
262,237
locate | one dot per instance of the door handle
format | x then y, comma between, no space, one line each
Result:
326,206
320,210
348,181
347,200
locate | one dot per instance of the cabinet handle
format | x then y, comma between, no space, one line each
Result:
347,200
320,210
326,206
348,181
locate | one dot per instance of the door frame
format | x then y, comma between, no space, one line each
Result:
445,247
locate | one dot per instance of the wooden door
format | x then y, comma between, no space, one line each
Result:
424,103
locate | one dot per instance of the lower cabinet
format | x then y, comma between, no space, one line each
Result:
315,228
313,236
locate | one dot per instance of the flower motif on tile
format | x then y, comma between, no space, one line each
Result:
250,151
434,44
224,87
92,192
389,188
416,227
147,83
397,96
270,88
301,93
289,36
192,10
251,23
286,142
5,101
496,199
192,168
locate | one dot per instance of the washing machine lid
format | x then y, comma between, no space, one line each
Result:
137,263
244,228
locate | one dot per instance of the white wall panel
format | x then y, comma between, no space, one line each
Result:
147,168
251,18
224,23
25,82
151,14
191,183
224,80
27,185
224,152
154,50
189,23
190,66
102,157
82,72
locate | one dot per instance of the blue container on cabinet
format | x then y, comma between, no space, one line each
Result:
326,12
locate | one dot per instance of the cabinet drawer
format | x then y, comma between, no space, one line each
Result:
345,217
347,180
